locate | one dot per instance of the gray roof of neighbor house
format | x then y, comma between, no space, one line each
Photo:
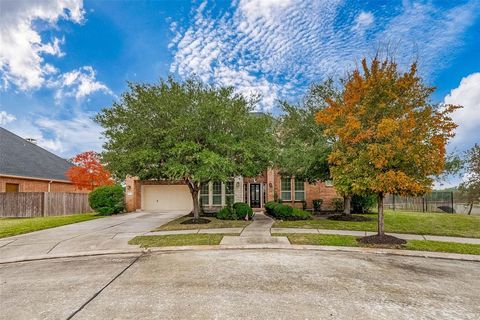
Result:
18,157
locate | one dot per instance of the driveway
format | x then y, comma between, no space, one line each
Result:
249,284
110,233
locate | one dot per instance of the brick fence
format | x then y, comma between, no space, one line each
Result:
42,204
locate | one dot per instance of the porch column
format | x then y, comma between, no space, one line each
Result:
238,189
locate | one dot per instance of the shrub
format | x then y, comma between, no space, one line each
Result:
224,214
107,200
242,210
269,207
304,205
298,214
338,204
282,211
317,205
363,203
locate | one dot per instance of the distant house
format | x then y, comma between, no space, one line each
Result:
26,167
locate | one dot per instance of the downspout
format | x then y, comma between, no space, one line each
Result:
49,185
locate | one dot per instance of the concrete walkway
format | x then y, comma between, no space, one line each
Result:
258,232
105,234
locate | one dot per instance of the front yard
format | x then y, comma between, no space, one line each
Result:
15,226
214,223
351,241
442,224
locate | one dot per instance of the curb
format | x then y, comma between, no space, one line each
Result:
390,252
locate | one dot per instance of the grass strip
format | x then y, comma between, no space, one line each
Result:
177,240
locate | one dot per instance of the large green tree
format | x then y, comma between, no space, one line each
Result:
189,131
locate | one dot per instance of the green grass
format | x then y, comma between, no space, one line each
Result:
214,223
351,241
15,226
443,224
177,240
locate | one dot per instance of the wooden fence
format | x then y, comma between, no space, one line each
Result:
42,204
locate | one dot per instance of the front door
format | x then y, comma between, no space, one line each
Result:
255,195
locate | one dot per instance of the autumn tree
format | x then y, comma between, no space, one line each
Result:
388,136
185,131
88,172
470,186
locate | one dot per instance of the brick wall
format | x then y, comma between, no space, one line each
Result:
312,191
33,185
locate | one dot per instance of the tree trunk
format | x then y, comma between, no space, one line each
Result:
381,225
347,200
470,209
194,190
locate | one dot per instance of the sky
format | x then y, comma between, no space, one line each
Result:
61,61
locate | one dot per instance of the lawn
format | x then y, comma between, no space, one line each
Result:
214,223
15,226
351,241
177,240
443,224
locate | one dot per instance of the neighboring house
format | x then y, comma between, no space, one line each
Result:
26,167
172,196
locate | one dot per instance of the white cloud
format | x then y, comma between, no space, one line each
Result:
363,21
64,137
22,47
279,47
467,94
79,83
6,117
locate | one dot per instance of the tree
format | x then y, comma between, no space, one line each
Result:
88,172
189,132
470,186
388,137
303,148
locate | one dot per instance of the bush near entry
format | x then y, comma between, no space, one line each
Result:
236,212
284,212
107,200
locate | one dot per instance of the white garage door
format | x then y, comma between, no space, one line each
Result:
166,198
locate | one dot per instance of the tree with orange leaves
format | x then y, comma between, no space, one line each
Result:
88,172
388,137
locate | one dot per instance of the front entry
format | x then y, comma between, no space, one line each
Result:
255,195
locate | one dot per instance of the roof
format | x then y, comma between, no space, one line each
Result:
18,157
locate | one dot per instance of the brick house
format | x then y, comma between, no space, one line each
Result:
26,167
175,196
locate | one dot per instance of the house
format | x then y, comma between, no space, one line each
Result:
153,195
26,167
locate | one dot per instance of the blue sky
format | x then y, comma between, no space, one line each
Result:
62,61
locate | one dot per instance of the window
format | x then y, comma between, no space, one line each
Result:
286,189
11,187
204,201
299,190
217,193
229,192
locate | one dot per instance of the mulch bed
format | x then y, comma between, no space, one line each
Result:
349,217
382,239
196,221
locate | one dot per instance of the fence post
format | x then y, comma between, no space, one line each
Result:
393,201
451,198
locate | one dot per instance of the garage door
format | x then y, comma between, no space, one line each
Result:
166,198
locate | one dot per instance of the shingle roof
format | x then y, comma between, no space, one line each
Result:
19,157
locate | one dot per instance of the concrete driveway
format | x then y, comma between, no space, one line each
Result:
110,233
248,284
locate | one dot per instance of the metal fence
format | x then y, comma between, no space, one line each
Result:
437,201
42,204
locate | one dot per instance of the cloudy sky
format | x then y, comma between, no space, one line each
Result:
63,60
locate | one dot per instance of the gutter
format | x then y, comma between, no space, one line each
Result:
33,178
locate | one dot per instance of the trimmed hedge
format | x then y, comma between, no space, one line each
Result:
107,200
284,212
238,211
